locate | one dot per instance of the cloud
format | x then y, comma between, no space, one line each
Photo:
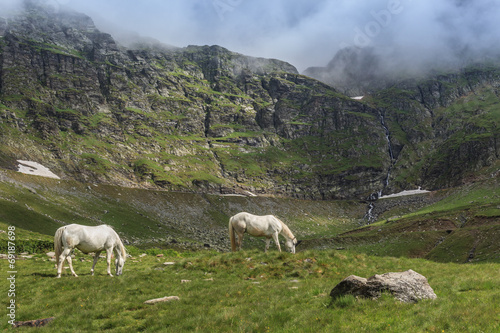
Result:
308,33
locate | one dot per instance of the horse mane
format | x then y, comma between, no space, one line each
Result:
286,231
121,247
119,243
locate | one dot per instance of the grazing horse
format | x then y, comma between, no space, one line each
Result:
260,226
88,239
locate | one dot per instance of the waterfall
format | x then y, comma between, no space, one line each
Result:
369,216
388,137
391,153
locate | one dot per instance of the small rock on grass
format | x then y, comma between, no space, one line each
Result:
163,299
33,323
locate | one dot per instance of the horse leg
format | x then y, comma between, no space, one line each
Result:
268,241
70,262
96,257
277,241
62,257
239,241
108,259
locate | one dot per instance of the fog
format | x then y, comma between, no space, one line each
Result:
308,33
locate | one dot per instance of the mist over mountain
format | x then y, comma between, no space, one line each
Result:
359,71
406,39
417,34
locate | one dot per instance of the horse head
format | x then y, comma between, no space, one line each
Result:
290,244
120,262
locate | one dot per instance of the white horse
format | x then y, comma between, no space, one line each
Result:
260,226
88,239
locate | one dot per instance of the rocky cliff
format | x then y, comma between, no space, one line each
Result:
203,118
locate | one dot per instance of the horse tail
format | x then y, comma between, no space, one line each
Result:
231,235
58,244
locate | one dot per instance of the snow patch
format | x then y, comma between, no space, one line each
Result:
34,168
248,194
358,97
403,193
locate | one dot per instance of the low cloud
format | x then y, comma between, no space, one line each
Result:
309,33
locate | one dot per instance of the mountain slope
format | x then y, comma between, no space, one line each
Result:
206,119
199,117
444,130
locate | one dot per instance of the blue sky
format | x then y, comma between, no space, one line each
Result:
307,32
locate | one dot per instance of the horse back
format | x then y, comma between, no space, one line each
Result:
89,238
256,225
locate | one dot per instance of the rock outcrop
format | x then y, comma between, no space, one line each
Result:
408,286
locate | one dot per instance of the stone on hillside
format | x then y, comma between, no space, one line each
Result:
408,287
163,299
33,323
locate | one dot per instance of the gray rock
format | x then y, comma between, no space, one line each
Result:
162,300
33,323
408,286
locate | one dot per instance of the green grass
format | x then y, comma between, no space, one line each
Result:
460,227
139,215
251,291
482,197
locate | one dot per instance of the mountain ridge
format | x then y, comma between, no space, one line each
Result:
203,118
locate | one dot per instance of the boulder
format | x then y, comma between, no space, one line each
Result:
408,286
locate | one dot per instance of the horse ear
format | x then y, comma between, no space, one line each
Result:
298,242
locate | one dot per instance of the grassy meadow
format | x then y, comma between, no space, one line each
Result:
249,291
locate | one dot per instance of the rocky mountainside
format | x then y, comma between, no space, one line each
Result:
205,119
